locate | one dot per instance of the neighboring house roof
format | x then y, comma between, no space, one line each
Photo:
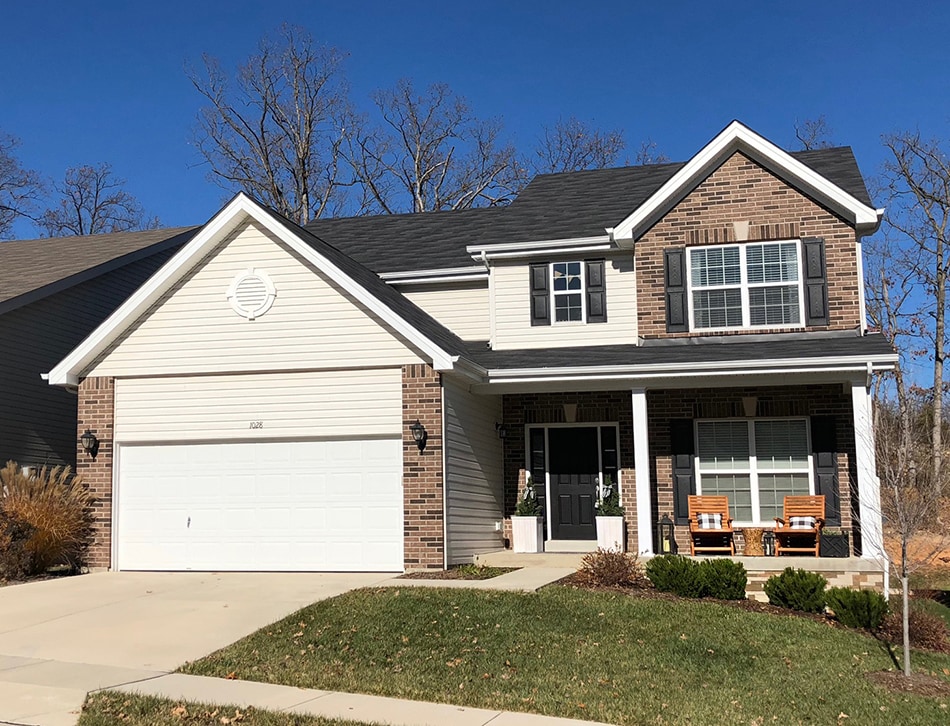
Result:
33,269
568,205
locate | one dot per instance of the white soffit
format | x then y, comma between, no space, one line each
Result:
235,213
738,137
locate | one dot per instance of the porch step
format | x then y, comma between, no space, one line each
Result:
570,545
507,558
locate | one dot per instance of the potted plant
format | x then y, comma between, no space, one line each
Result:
610,527
834,543
527,526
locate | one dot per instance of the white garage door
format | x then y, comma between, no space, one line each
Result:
266,505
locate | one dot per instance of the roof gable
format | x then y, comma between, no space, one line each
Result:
737,137
391,307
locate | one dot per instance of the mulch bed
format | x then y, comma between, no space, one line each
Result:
483,573
919,684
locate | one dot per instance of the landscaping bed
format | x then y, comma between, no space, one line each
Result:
595,655
462,572
111,707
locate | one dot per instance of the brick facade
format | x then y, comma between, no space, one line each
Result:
96,413
548,408
742,191
424,541
810,400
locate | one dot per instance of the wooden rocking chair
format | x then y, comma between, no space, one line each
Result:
799,531
702,525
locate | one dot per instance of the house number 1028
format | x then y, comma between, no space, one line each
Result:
257,425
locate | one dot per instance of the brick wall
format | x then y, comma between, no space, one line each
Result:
742,191
548,408
96,413
812,400
422,470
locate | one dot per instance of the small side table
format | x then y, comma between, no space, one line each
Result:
753,542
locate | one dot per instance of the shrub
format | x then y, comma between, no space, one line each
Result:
677,574
528,504
797,590
863,609
725,579
16,561
608,504
56,505
927,630
608,568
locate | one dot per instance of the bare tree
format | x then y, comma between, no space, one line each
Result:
19,188
649,153
574,145
918,181
912,486
431,152
813,133
276,130
93,201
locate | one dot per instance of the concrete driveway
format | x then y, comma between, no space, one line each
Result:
61,638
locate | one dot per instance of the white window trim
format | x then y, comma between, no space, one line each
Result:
582,292
744,287
753,471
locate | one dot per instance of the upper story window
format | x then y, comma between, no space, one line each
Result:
568,292
746,286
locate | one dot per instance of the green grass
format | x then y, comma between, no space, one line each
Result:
933,607
589,655
110,707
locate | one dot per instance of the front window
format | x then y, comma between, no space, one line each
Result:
567,290
756,463
745,286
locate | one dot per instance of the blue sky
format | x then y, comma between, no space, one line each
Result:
104,81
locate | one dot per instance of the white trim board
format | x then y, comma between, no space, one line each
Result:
739,137
235,213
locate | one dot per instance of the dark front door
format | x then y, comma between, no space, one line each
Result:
574,465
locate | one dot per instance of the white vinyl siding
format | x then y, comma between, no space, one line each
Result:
756,463
474,473
461,307
512,310
312,324
302,404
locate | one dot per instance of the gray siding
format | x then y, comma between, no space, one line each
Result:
474,473
38,421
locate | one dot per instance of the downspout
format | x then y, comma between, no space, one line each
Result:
445,480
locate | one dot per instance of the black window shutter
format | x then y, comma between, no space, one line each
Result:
824,446
816,283
540,299
596,292
675,282
682,447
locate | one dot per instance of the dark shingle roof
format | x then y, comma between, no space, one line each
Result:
29,265
707,350
552,206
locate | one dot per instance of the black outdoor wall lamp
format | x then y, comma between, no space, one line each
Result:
90,443
419,434
501,430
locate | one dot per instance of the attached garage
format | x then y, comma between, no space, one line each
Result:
267,472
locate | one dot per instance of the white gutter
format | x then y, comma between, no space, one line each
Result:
539,247
444,274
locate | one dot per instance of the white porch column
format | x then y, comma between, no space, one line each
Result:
869,486
641,462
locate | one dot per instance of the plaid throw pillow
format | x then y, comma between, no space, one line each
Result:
801,522
709,521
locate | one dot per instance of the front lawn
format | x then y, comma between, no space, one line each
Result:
590,655
111,707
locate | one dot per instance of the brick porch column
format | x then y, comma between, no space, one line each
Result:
96,413
424,533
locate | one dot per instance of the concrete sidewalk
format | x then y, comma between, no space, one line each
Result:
528,579
352,706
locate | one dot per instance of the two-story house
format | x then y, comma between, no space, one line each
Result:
372,393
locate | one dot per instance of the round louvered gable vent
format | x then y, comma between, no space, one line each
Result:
251,294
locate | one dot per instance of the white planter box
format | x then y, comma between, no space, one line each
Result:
610,531
527,534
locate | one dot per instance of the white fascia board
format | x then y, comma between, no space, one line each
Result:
727,368
445,274
67,371
480,253
738,137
